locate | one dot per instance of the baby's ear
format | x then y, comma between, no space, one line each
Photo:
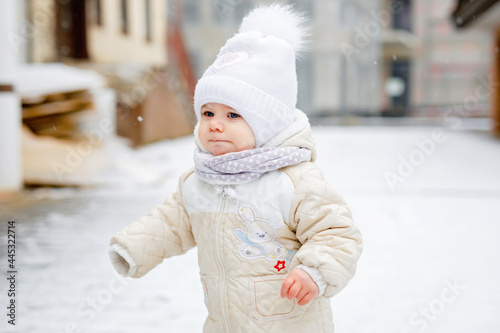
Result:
276,221
247,213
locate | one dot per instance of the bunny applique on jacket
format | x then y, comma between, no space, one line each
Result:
249,237
259,237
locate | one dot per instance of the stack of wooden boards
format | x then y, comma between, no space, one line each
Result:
56,100
67,121
57,114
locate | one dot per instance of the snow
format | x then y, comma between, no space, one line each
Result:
429,263
36,80
439,227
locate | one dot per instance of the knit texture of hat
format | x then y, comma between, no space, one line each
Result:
254,72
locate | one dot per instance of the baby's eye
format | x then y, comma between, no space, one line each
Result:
233,115
208,113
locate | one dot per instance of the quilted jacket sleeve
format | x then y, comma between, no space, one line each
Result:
323,224
163,233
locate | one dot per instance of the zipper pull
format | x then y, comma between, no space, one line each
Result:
226,191
229,192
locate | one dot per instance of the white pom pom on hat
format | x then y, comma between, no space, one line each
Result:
279,21
254,72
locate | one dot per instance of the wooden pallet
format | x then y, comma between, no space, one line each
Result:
57,115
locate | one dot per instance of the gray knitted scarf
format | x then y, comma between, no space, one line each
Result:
246,166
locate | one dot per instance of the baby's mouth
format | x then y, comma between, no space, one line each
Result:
217,140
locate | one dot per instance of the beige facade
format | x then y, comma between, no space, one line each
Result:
106,39
107,43
38,31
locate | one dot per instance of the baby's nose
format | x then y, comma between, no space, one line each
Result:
216,125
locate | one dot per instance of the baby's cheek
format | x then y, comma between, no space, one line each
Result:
243,145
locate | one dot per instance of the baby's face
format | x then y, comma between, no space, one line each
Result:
222,130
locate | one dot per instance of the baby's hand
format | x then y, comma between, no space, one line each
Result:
298,284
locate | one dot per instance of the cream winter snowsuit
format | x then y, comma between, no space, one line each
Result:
249,237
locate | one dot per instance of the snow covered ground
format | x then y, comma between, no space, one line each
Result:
427,201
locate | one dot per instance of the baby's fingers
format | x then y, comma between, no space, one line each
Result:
285,287
306,299
294,290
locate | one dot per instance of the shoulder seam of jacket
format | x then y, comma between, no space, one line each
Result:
182,180
292,177
286,172
187,174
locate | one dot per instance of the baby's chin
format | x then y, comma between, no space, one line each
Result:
220,153
220,148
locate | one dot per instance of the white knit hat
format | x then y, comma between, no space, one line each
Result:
254,72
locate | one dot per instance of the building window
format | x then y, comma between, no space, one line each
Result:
402,15
399,89
94,11
98,11
124,16
148,19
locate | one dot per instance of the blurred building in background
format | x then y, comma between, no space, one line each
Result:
366,58
373,58
112,31
448,64
11,178
126,42
482,15
86,70
329,82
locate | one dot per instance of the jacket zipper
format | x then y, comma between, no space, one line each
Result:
219,258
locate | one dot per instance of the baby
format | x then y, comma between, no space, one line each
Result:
274,240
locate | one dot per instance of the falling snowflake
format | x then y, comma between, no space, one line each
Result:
140,119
